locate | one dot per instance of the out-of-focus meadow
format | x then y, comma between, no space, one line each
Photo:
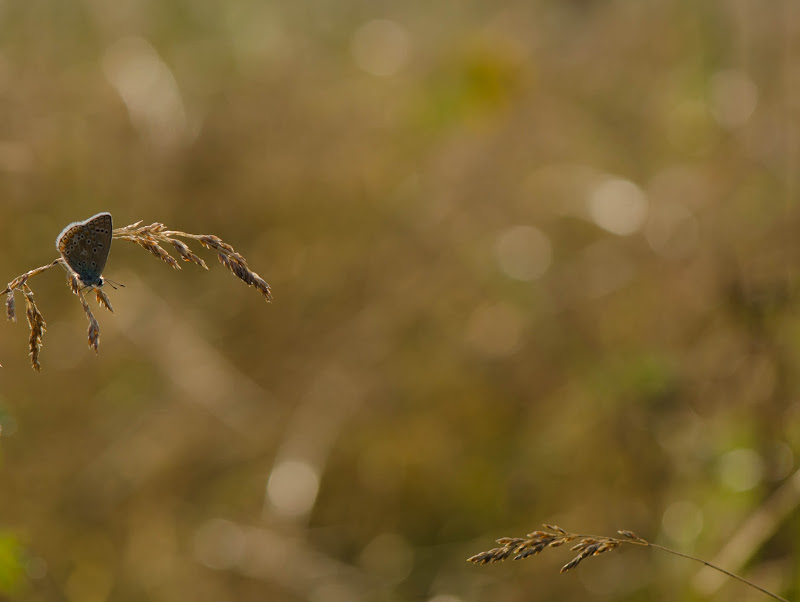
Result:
532,262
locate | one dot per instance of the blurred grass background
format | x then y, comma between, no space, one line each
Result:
532,262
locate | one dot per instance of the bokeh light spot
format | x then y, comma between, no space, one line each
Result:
389,557
292,487
741,469
682,522
618,206
523,252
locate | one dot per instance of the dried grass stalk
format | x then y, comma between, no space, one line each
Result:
186,253
236,264
102,299
35,318
37,325
150,236
588,545
72,283
11,306
19,281
94,327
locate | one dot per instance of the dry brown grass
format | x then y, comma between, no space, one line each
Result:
37,325
147,237
553,536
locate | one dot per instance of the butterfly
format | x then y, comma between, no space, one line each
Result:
85,246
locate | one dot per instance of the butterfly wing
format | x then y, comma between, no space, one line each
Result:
99,228
85,246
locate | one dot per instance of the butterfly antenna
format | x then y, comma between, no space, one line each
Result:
113,283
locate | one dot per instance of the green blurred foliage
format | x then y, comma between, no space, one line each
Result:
12,573
532,262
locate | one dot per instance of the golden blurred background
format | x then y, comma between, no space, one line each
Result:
532,262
